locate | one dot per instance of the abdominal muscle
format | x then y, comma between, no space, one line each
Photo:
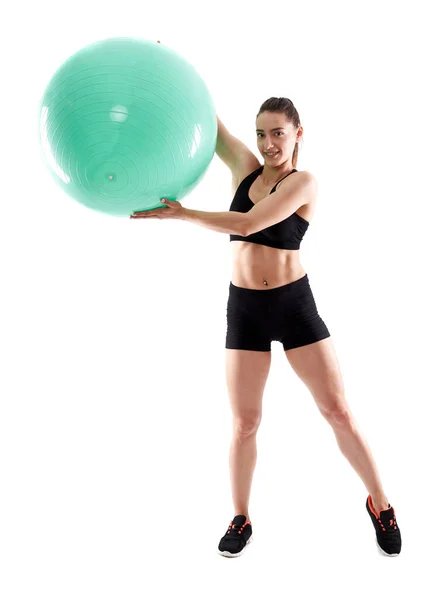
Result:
262,268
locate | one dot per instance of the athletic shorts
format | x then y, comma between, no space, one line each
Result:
285,314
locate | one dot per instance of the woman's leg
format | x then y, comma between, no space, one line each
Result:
317,366
246,376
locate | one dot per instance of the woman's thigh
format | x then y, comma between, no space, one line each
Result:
246,376
317,366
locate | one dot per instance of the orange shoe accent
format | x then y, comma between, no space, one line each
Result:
370,505
242,526
232,526
393,522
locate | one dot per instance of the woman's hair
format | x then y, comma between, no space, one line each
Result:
283,105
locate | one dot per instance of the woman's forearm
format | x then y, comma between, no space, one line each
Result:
225,222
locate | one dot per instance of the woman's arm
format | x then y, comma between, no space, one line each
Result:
231,150
225,222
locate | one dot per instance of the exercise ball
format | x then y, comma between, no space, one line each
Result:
125,122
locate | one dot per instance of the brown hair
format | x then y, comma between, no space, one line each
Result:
283,105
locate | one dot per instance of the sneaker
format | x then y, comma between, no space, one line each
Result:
388,534
236,538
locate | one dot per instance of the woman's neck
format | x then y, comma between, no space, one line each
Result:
271,175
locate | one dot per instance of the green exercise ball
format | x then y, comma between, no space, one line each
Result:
125,122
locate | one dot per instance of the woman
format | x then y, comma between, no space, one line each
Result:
270,299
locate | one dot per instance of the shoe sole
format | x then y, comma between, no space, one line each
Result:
235,554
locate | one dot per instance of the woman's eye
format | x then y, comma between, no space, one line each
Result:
281,132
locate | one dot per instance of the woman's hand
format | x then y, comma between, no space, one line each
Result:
173,210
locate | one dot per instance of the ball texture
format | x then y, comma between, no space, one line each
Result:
125,122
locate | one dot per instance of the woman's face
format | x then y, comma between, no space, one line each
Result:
276,135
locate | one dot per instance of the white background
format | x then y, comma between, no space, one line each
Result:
115,421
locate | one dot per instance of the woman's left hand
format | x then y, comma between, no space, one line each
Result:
174,210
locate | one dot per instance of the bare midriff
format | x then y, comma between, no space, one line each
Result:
261,267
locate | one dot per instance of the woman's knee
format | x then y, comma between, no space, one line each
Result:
246,424
336,411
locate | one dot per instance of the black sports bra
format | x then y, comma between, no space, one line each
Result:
286,234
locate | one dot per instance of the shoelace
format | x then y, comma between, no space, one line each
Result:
233,532
391,526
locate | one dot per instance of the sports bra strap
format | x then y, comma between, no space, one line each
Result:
278,182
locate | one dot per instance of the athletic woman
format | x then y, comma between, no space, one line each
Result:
270,299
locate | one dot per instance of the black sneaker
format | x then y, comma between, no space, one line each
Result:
388,534
238,535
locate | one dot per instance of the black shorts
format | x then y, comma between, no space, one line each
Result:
285,314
